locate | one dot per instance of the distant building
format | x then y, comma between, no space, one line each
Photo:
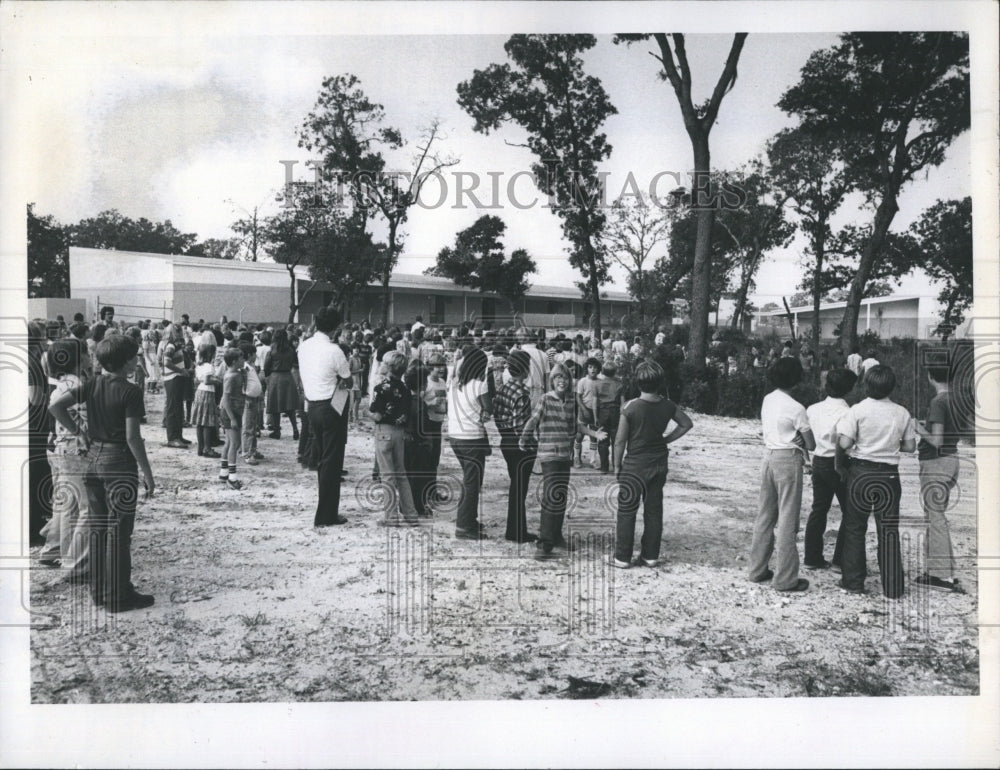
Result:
892,316
156,286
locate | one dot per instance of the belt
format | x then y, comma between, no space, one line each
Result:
319,400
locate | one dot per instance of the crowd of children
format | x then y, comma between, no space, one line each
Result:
223,378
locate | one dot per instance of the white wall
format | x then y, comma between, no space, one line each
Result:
137,285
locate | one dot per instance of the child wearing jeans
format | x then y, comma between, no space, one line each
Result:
786,433
937,450
231,415
116,456
390,409
823,418
553,427
875,431
643,471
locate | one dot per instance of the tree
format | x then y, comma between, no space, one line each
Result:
216,248
315,231
698,122
346,129
48,256
478,261
545,91
943,246
808,170
112,230
633,233
892,103
249,230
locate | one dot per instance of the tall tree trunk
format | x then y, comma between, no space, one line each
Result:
390,263
819,247
595,301
292,304
701,271
887,209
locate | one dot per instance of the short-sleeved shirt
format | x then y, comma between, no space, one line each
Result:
436,400
321,363
940,412
392,401
854,363
608,392
781,417
877,426
173,354
233,386
465,413
823,418
201,374
512,407
110,401
586,389
647,421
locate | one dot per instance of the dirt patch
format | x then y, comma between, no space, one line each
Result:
253,604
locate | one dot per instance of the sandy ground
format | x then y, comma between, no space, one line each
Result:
254,605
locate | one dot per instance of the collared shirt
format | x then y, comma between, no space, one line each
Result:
320,364
512,407
877,426
823,418
781,417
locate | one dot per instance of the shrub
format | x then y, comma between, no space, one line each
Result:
741,393
699,389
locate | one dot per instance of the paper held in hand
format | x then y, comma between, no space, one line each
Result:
340,396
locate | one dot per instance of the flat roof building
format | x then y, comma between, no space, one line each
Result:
142,285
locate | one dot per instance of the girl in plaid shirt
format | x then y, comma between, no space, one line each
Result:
553,426
512,410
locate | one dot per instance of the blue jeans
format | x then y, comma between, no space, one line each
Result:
640,481
112,482
873,488
472,457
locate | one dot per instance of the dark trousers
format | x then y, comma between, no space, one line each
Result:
422,457
39,472
329,438
640,481
305,451
555,493
873,488
173,412
112,483
472,457
609,424
519,465
826,483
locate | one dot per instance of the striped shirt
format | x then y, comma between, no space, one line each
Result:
512,407
553,426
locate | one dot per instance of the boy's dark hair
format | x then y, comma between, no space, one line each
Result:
592,362
97,333
233,326
115,351
248,349
519,363
940,374
245,336
78,318
79,330
880,381
785,373
609,370
648,377
64,356
327,319
232,355
839,382
105,310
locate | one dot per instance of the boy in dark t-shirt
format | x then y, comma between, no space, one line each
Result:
643,471
116,455
937,451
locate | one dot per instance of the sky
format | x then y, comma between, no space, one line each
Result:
173,122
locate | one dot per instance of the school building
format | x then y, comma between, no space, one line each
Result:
893,316
140,285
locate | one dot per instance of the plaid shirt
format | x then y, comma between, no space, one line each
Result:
512,406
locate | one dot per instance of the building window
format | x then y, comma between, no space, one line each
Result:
552,307
437,309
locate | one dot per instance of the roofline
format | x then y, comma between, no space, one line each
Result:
841,305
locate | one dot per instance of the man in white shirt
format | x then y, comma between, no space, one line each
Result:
786,433
875,431
854,361
539,370
324,370
418,324
823,418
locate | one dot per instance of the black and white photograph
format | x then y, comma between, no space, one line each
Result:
499,384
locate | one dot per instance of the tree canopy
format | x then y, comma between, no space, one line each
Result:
112,230
477,260
48,256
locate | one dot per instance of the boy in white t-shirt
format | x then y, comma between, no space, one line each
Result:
823,418
875,431
786,435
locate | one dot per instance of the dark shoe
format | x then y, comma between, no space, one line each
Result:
135,601
212,454
800,585
218,442
465,534
187,424
257,456
336,521
295,435
529,537
840,584
822,565
185,441
274,434
176,444
638,561
929,581
768,574
543,550
250,460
